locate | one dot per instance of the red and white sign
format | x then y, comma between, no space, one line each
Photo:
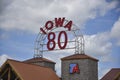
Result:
59,34
52,39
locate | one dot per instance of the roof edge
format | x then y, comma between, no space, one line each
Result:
47,60
71,57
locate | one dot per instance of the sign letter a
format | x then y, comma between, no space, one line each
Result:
68,25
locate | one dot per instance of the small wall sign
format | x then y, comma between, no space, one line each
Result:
74,68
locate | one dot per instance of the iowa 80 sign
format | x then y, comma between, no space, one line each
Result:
49,26
58,34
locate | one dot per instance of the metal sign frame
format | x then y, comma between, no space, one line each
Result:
40,41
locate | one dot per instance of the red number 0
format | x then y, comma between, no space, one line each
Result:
52,40
65,43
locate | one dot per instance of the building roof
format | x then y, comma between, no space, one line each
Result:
113,74
31,72
78,56
38,60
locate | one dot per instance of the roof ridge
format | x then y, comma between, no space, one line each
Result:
112,72
27,63
115,68
78,56
44,59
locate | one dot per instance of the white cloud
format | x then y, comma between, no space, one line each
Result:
106,58
108,6
3,58
115,31
98,44
29,15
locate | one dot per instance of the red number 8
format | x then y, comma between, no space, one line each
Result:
51,41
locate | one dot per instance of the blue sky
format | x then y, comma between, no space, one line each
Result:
99,21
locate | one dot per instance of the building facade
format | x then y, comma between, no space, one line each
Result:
79,67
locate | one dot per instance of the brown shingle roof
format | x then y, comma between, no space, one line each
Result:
78,56
112,74
32,72
38,60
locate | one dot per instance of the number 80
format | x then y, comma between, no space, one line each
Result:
52,40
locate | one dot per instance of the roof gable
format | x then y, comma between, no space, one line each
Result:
112,74
32,72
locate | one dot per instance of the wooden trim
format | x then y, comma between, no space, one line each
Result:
9,74
12,68
4,72
117,76
16,78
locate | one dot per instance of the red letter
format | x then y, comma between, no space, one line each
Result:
49,25
43,31
68,25
59,22
76,69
